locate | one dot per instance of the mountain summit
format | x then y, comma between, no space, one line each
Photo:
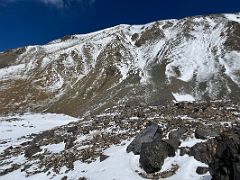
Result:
195,58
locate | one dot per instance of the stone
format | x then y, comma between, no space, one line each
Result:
173,142
149,134
184,150
177,134
202,170
153,153
31,150
82,178
204,133
226,161
103,157
203,151
69,142
72,129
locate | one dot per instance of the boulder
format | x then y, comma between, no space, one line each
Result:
204,133
202,170
226,161
153,153
204,151
177,134
173,143
147,135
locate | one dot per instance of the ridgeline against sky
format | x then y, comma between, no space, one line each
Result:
29,22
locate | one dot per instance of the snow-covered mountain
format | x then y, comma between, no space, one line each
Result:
193,58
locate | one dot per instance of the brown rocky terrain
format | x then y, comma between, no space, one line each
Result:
87,139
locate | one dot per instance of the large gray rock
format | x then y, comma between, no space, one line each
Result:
177,134
204,133
147,135
204,151
152,155
226,162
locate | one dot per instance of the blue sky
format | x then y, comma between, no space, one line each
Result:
29,22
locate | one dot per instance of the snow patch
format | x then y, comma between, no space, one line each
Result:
183,97
54,148
14,129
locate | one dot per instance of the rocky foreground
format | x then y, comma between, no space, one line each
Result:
208,133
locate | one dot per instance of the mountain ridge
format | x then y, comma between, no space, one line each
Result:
193,58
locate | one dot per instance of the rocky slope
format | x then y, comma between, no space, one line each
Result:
194,58
97,147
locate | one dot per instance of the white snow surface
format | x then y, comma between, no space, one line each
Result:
121,165
13,129
187,170
54,148
183,97
233,17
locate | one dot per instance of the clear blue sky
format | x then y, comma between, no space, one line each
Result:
29,22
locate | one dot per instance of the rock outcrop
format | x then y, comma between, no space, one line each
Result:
226,161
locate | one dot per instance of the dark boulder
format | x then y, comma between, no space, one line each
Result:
149,134
204,151
173,143
152,155
202,170
103,157
204,133
72,129
226,161
177,134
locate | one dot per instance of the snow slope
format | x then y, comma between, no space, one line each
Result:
15,129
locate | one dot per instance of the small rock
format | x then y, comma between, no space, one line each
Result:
82,178
202,170
183,151
169,173
72,129
31,150
69,142
103,157
64,178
